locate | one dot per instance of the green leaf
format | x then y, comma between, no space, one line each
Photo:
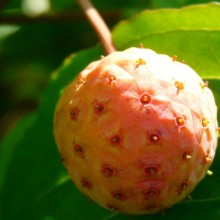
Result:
192,33
34,183
214,85
177,3
8,144
34,168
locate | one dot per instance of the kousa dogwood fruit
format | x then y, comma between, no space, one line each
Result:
136,130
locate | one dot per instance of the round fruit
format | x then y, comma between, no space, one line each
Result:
137,131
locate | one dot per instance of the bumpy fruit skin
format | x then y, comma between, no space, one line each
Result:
137,131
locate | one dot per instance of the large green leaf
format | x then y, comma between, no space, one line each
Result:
35,185
192,33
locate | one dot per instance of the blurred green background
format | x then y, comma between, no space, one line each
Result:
36,36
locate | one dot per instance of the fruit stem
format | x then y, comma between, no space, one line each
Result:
98,24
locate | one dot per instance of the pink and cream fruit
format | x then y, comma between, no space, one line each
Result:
136,130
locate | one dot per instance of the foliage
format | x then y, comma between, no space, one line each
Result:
33,183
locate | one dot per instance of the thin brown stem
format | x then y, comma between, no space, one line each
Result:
98,24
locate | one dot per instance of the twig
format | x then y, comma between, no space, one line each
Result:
98,24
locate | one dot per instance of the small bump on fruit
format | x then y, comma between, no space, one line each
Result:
154,138
184,186
145,99
205,122
115,140
139,62
113,208
180,121
151,171
107,170
98,108
86,183
119,195
204,85
141,46
179,85
78,150
74,113
208,159
187,156
174,58
152,194
111,78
